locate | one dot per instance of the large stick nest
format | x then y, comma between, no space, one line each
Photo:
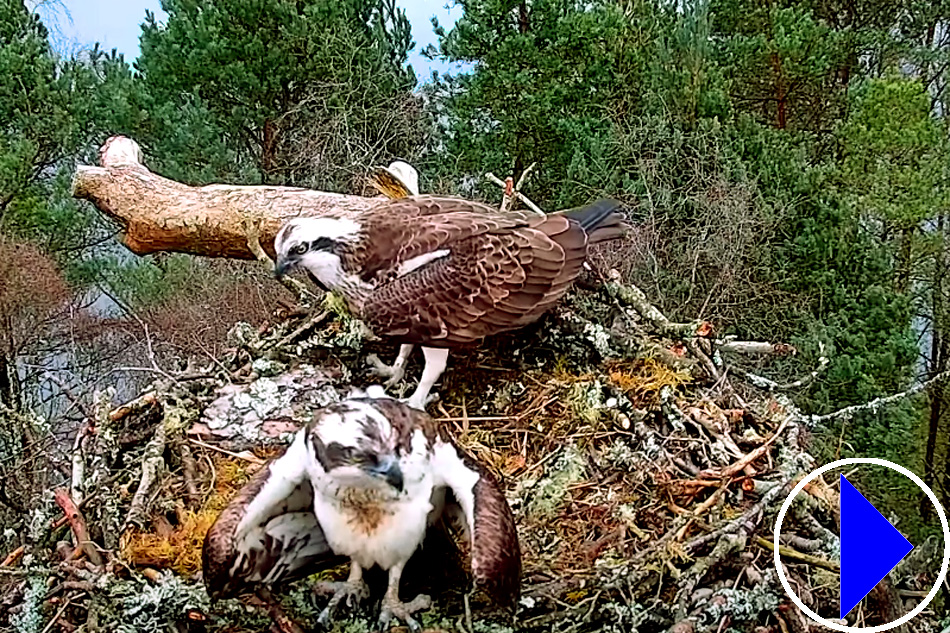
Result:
644,475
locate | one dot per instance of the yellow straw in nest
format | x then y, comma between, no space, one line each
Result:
179,548
643,380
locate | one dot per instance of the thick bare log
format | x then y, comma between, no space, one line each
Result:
157,214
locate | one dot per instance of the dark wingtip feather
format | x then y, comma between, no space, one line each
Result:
594,214
495,541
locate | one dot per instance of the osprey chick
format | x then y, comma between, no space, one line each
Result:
362,482
442,272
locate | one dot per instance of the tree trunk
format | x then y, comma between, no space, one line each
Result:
781,95
937,395
905,253
935,430
156,214
938,360
9,383
268,150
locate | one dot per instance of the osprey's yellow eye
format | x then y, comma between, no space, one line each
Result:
299,249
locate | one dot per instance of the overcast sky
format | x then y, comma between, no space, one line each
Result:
77,24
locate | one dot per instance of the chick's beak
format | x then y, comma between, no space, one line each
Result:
389,471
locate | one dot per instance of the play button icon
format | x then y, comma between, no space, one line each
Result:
870,546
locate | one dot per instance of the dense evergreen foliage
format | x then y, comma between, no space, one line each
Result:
786,162
302,93
791,157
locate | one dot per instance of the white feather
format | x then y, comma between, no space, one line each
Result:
286,474
289,528
407,174
371,391
398,523
377,391
419,261
346,427
449,470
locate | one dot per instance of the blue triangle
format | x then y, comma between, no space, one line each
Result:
870,546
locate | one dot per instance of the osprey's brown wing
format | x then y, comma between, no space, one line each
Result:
285,543
476,506
489,273
398,230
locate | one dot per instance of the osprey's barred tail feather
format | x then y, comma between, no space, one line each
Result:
599,220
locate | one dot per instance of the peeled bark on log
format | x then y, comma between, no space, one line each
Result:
157,214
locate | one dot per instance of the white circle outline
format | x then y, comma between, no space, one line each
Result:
880,627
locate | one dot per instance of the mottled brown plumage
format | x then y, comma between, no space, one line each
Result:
281,539
502,271
496,569
279,561
443,272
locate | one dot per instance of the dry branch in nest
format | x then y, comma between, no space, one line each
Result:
153,465
78,525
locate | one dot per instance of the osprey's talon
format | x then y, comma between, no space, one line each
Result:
395,379
377,366
415,404
393,373
325,620
403,611
352,592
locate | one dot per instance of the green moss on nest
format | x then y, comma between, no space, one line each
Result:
549,493
587,401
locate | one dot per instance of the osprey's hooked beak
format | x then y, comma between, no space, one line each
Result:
387,469
282,266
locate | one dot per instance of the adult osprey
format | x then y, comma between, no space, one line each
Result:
441,272
362,482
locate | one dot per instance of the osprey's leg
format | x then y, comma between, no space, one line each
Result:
395,372
353,590
393,607
436,359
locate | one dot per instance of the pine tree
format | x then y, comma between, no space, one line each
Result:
53,111
276,91
544,76
46,105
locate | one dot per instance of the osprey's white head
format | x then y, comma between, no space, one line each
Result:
357,446
315,244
